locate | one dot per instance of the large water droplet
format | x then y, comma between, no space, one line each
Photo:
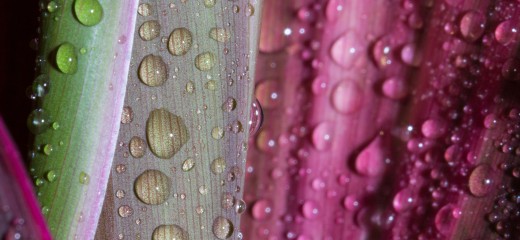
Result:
152,187
67,59
403,200
205,61
169,232
222,228
506,32
347,97
88,12
218,166
268,94
166,133
481,181
180,41
395,88
262,209
472,25
346,50
41,85
219,34
370,161
149,30
444,219
153,71
240,206
145,9
322,136
38,121
137,147
310,210
256,116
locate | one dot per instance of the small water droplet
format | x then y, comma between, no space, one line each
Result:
125,211
310,210
268,94
218,166
322,136
38,121
47,149
51,176
444,219
227,200
180,41
229,105
188,164
211,85
217,133
203,190
199,210
88,12
262,209
209,3
403,200
127,115
472,25
370,161
66,58
120,168
52,6
145,9
433,128
256,117
149,30
120,194
205,61
240,206
38,182
347,97
41,85
137,147
153,71
480,180
84,178
506,32
394,88
250,10
219,34
346,50
190,87
152,187
222,228
166,133
169,232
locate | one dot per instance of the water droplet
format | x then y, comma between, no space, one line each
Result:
125,211
137,147
47,149
217,133
268,94
169,232
153,71
38,121
347,97
256,117
82,50
394,88
218,166
127,115
120,168
84,178
52,6
506,32
322,136
433,128
190,87
219,34
120,194
38,182
149,30
88,12
41,85
318,184
229,105
236,9
205,61
210,3
55,126
45,210
222,228
409,55
211,85
180,41
188,164
383,52
334,9
152,187
199,210
51,176
250,10
370,161
66,58
262,209
166,133
481,181
346,50
203,190
490,121
236,127
145,9
444,219
472,25
240,206
310,210
403,200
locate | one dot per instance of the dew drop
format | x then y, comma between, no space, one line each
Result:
346,97
41,85
84,178
127,115
205,61
203,190
433,128
472,25
370,161
490,121
256,117
88,12
262,209
149,30
236,126
346,50
506,32
38,121
480,180
153,71
137,147
66,58
190,87
240,206
120,168
210,3
211,85
51,176
188,164
403,200
219,34
310,210
169,232
250,10
145,9
180,41
47,149
152,187
38,182
52,6
229,105
218,166
268,94
227,200
125,211
120,194
199,210
217,133
322,136
382,53
166,133
444,219
222,228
